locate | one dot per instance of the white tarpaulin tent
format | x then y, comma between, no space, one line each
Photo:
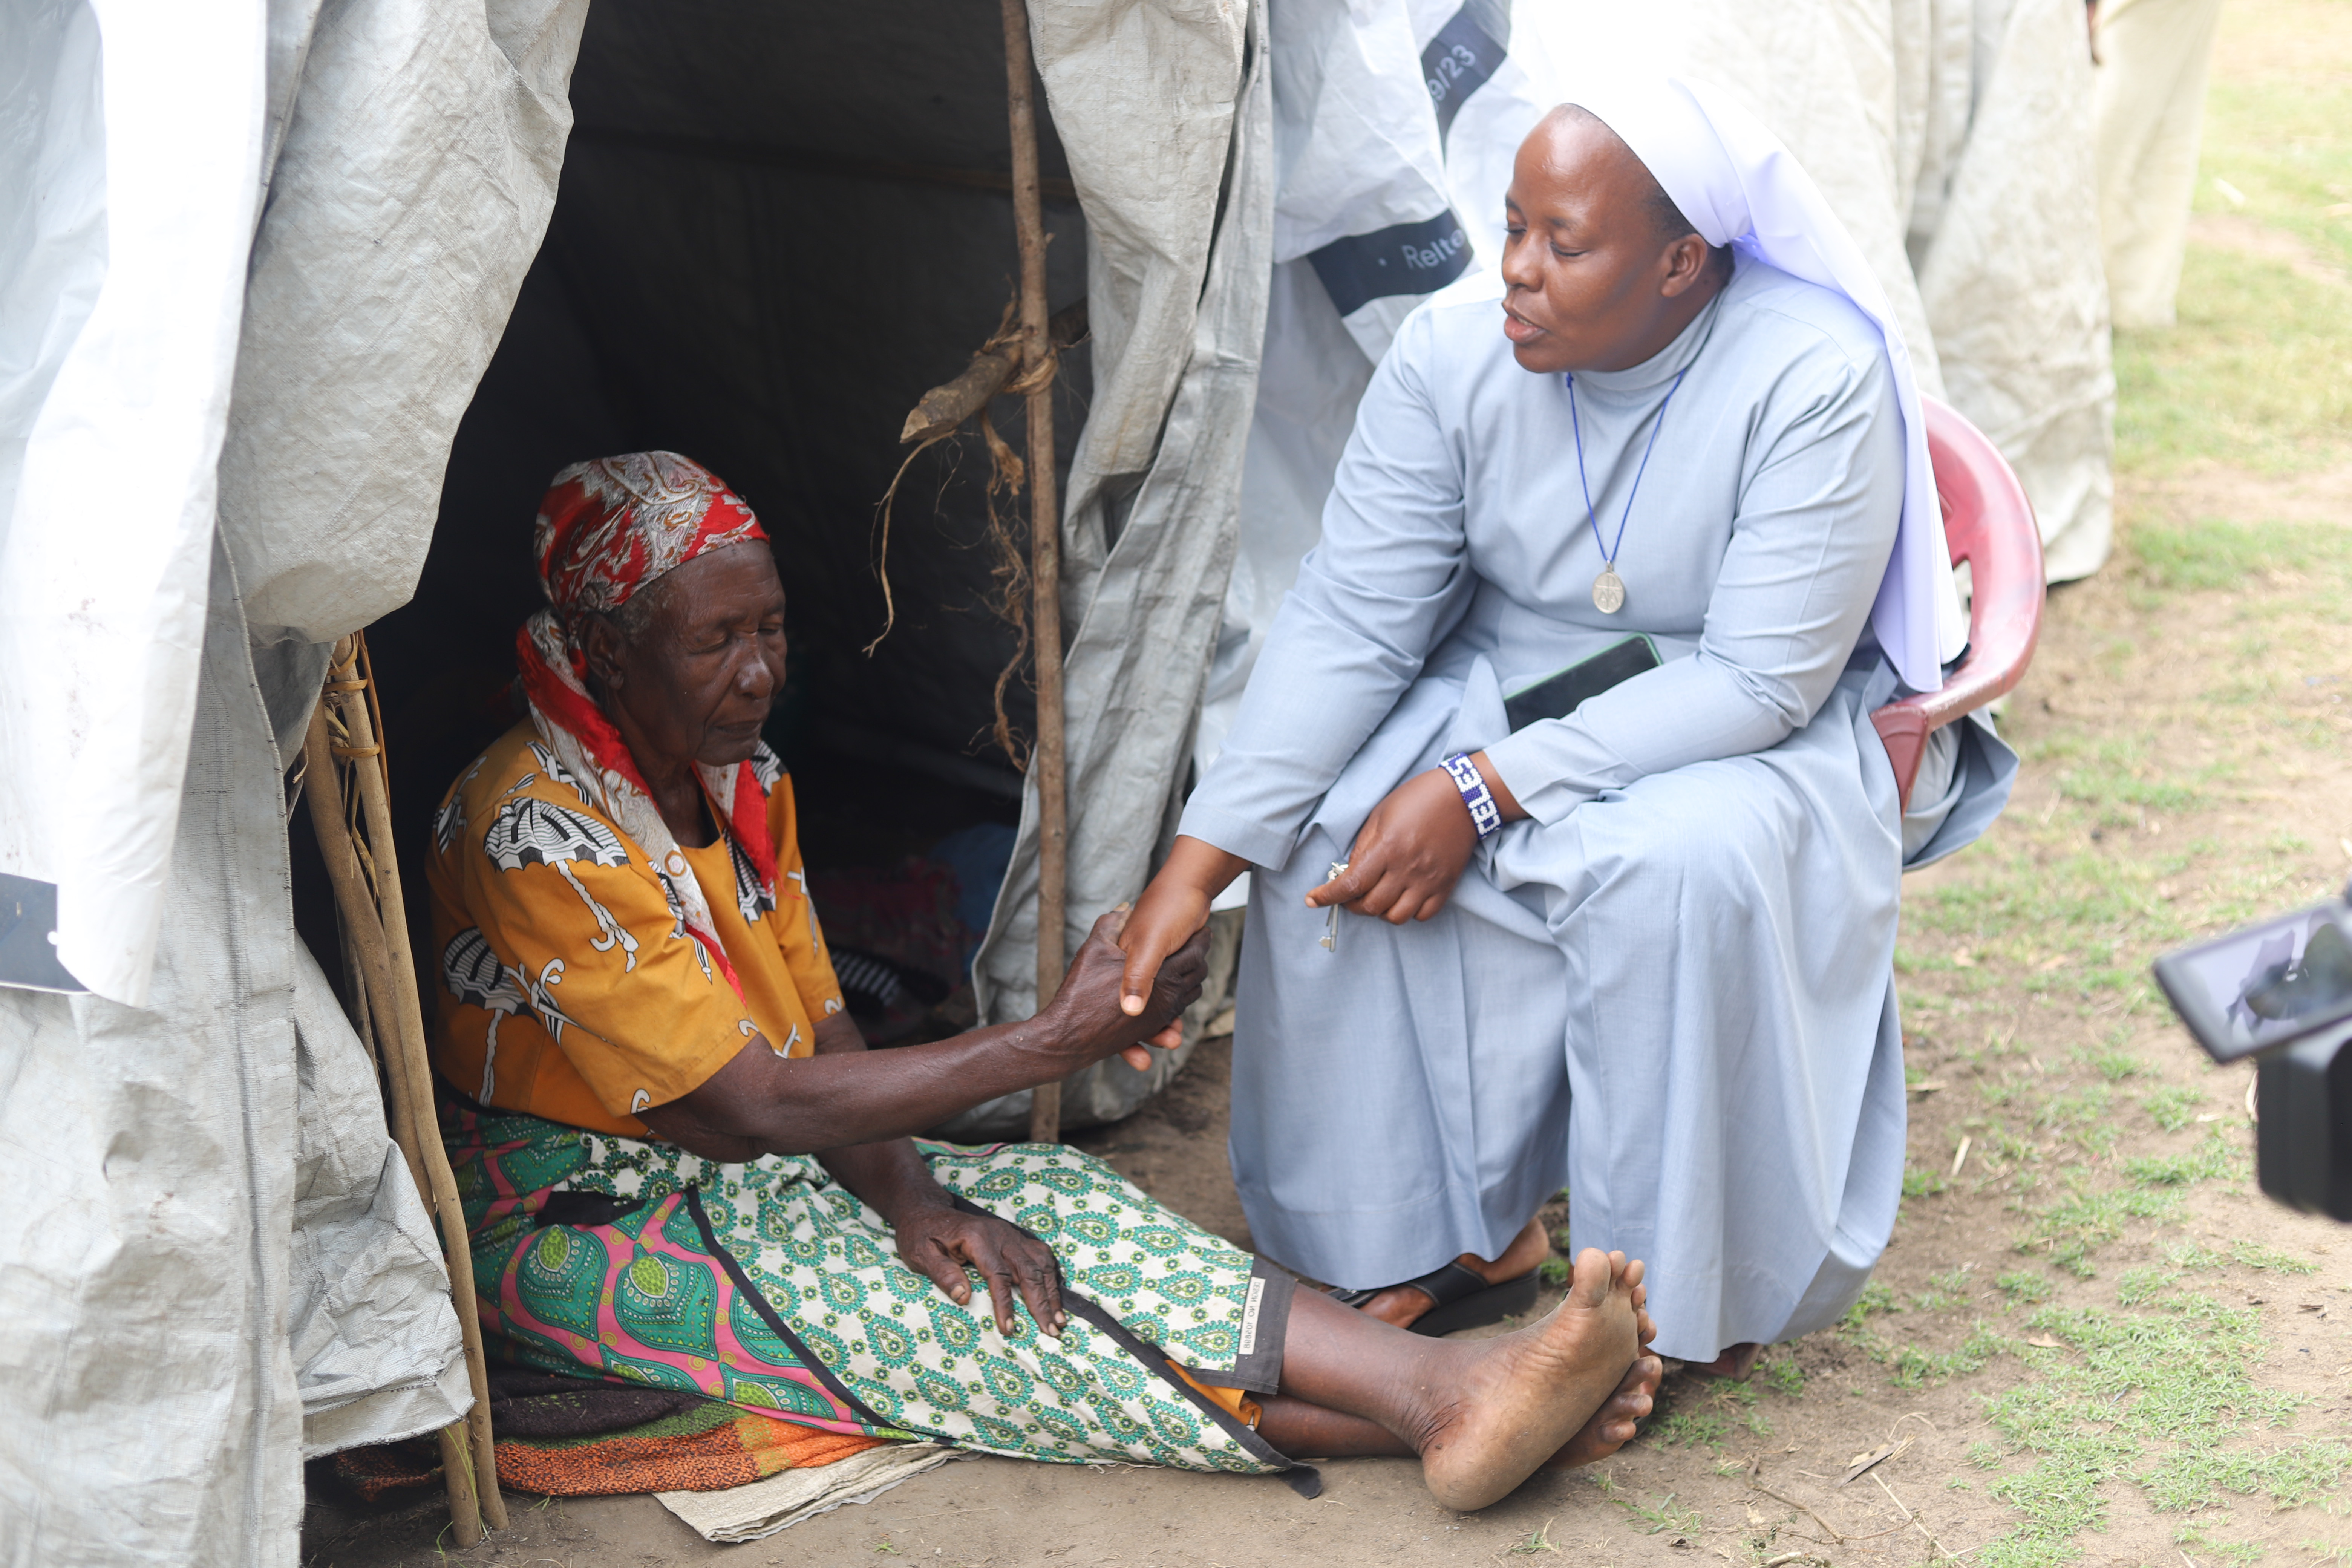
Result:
255,261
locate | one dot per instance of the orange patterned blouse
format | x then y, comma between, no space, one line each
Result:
569,985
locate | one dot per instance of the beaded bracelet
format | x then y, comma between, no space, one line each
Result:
1484,815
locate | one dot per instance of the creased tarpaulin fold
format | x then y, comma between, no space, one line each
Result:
217,1263
1178,226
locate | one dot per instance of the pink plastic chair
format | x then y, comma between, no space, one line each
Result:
1989,523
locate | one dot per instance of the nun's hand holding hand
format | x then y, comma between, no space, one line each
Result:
1172,912
1088,1012
1411,850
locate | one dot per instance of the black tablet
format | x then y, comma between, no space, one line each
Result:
1559,695
2266,985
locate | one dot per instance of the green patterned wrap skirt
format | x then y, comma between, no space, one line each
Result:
771,1285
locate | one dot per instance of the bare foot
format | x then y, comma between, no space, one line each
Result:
1403,1305
1526,1393
1613,1425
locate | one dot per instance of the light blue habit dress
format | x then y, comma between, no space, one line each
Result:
1672,991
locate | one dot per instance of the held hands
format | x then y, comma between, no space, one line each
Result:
1093,1019
1172,912
1411,850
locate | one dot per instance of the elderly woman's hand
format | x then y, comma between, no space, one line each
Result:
1088,1020
942,1242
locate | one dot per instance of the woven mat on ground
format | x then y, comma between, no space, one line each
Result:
689,1444
763,1507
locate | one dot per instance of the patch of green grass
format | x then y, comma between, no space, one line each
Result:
1538,1540
2025,1290
2281,138
1690,1429
2142,1285
2212,553
1913,1366
2215,1157
2083,1220
1555,1270
2248,1254
2081,903
1660,1516
1781,1374
1736,1402
2123,772
2290,1477
1920,1184
2244,1254
2240,1552
2164,1400
2118,1066
1874,1298
2254,373
2174,1106
2085,1117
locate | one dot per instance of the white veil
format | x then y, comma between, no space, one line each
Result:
1739,185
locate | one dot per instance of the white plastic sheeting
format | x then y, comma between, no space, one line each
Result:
175,1346
381,283
372,1330
1164,109
215,1264
130,212
218,1267
2013,278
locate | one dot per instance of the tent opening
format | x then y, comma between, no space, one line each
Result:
778,226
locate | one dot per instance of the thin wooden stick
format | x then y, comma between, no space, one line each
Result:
363,927
1048,761
364,947
348,690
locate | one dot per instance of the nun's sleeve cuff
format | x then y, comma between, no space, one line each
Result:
1253,841
1522,765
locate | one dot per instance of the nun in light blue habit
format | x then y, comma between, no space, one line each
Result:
1670,989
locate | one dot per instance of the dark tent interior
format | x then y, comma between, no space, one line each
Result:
778,226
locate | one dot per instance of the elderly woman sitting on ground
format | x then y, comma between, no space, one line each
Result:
682,1166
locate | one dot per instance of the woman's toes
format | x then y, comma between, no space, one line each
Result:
1592,1280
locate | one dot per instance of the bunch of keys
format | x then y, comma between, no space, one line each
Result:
1330,938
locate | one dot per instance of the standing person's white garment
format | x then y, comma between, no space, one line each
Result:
1671,988
2153,59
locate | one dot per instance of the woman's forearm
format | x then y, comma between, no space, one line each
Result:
888,1177
761,1102
803,1106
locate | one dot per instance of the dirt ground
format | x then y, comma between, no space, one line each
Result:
2093,1338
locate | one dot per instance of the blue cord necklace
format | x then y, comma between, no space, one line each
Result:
1609,589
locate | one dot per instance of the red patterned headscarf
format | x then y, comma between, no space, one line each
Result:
608,529
618,524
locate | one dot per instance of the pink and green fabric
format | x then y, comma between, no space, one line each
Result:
769,1285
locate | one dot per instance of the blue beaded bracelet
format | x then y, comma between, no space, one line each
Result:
1484,815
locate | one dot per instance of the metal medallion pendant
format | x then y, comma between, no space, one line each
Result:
1609,592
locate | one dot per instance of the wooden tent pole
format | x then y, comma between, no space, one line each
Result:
1048,758
347,689
364,944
